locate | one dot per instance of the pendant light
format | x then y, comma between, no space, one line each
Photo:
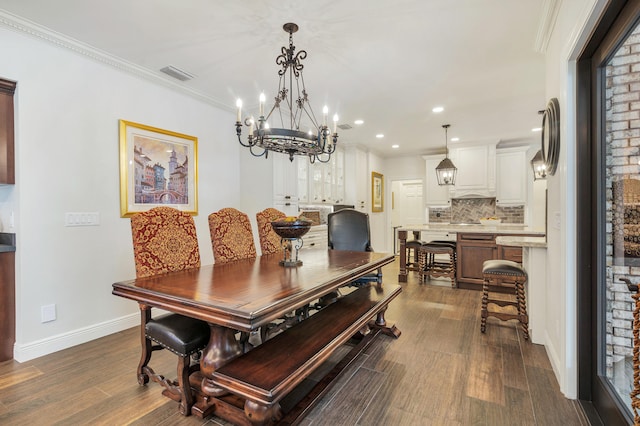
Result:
446,171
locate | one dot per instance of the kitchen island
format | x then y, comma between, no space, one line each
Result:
475,244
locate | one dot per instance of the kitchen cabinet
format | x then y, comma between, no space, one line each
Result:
285,184
476,166
435,195
7,159
7,296
317,237
325,180
357,174
511,171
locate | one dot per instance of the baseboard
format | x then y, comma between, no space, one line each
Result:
29,351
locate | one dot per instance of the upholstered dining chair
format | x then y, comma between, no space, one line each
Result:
231,235
348,229
269,240
164,240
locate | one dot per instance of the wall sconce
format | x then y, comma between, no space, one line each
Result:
539,167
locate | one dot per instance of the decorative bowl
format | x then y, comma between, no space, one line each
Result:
490,222
292,228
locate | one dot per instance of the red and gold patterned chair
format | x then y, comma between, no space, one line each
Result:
231,235
269,240
164,240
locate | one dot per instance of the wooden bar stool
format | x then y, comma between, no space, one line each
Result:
431,266
500,271
412,247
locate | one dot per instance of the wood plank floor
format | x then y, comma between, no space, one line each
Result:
441,371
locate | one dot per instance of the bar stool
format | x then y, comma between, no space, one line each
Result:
431,266
412,247
494,272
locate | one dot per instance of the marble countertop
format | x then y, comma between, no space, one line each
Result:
515,241
510,229
7,242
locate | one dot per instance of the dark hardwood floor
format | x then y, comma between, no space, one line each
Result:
441,371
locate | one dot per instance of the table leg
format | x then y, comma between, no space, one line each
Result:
402,276
222,347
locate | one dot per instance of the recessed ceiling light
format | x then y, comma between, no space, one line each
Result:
438,109
455,139
358,122
395,146
379,136
536,129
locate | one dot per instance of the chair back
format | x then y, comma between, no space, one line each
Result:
269,240
164,240
231,235
349,230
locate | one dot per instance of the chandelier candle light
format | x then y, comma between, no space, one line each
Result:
446,171
300,133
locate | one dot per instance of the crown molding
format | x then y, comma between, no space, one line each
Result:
21,25
548,14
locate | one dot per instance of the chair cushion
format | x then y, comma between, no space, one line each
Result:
179,334
502,267
414,244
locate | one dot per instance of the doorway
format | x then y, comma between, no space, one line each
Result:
407,207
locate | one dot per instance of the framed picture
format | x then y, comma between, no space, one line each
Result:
157,167
377,192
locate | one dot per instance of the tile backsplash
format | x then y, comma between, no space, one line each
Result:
469,210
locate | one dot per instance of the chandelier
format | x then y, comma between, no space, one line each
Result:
300,133
446,171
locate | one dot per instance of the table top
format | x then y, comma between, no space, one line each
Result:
501,229
246,294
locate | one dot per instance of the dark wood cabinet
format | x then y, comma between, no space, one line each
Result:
7,159
473,250
7,305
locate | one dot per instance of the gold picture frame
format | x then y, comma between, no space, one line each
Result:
157,168
377,192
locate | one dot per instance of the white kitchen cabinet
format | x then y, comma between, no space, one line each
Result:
285,184
357,174
476,169
511,171
317,237
326,180
303,178
436,195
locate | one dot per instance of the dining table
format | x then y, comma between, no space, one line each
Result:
242,296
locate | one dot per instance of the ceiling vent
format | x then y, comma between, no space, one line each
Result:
177,73
344,126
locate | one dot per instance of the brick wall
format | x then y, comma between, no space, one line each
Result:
622,174
469,210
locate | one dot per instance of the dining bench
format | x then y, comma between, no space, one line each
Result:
266,374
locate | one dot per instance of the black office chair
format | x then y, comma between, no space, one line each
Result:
349,229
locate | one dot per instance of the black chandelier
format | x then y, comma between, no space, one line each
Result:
446,171
299,132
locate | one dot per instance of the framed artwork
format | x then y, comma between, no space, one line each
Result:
157,168
377,192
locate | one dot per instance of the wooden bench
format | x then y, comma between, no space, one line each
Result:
269,372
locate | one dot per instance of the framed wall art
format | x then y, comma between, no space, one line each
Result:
377,192
157,168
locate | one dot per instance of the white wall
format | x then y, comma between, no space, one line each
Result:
67,112
574,23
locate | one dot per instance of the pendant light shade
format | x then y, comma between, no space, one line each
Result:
446,171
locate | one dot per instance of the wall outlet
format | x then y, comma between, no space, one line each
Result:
48,313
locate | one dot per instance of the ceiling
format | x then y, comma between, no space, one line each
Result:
385,62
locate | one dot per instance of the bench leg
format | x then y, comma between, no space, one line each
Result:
381,324
259,414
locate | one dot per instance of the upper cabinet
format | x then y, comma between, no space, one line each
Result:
321,182
511,169
436,195
285,184
7,160
356,173
476,170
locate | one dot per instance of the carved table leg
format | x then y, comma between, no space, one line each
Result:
402,276
381,323
259,414
222,347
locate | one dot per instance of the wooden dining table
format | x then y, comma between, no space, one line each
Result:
245,295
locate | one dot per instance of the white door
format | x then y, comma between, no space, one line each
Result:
407,208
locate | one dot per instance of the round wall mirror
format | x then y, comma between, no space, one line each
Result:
551,135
